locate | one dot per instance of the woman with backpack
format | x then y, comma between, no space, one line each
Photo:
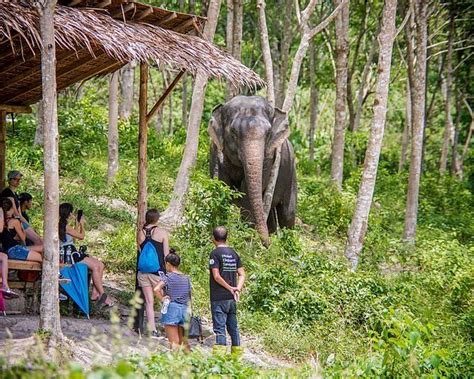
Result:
154,247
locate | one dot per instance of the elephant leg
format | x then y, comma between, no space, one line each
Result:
272,222
287,211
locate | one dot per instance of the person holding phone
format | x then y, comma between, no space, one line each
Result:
67,235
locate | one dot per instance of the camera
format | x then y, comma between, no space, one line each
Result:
80,212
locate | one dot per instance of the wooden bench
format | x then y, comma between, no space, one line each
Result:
31,289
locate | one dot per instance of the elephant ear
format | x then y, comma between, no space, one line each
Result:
215,128
279,133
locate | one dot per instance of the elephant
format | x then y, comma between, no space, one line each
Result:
245,134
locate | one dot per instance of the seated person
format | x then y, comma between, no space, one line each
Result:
13,236
6,291
26,202
67,234
14,178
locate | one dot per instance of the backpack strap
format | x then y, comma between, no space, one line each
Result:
148,232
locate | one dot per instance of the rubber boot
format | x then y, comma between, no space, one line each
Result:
219,350
236,352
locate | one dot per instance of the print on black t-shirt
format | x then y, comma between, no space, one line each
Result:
227,261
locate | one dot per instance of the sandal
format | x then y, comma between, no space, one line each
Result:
9,294
102,301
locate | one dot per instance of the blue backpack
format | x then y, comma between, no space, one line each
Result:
148,261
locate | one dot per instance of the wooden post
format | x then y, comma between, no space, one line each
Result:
3,150
142,145
142,168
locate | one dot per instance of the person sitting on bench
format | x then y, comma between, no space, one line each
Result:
67,234
13,236
6,291
14,178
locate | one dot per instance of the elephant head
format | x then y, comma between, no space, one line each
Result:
247,131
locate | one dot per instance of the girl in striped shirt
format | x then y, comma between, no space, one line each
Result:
175,288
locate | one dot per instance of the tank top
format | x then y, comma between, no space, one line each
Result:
158,246
69,241
8,239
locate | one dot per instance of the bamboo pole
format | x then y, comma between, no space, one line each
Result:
163,97
142,145
142,177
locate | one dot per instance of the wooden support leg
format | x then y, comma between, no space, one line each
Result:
142,170
3,150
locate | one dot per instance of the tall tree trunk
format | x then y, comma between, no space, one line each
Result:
358,227
406,130
314,99
446,89
455,168
170,113
229,34
342,52
286,38
173,214
39,132
418,121
112,134
350,96
237,29
267,55
126,86
237,33
363,84
361,93
184,100
468,140
49,310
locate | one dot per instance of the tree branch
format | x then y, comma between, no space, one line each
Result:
327,20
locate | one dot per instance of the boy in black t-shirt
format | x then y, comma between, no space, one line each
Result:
227,278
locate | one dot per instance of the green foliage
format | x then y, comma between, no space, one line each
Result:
176,365
325,208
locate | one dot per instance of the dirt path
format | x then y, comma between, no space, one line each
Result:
97,341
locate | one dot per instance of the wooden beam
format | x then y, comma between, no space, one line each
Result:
122,10
3,147
18,60
184,25
15,108
167,19
36,70
143,14
164,96
64,71
103,4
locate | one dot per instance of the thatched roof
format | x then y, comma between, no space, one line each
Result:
91,41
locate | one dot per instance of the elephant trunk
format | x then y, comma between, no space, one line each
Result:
253,167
